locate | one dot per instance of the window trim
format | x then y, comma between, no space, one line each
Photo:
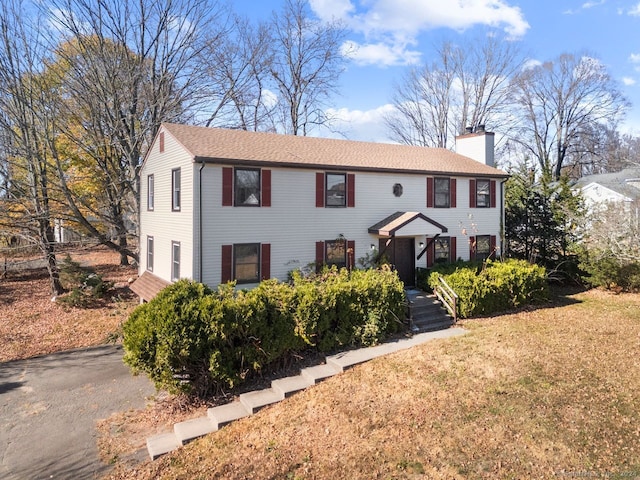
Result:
150,252
150,192
326,189
442,181
486,196
236,189
235,263
176,189
175,263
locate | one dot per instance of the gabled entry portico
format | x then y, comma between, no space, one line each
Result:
397,236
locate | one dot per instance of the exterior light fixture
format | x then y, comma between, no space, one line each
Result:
421,244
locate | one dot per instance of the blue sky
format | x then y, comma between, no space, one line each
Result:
391,35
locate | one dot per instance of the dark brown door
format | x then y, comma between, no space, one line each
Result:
401,254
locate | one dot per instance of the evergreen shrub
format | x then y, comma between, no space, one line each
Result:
494,286
193,340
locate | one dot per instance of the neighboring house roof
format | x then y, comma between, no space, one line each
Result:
240,146
625,182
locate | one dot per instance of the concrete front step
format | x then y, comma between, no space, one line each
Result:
318,373
194,428
254,401
224,414
290,385
162,444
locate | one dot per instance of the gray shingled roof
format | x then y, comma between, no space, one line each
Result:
239,146
618,182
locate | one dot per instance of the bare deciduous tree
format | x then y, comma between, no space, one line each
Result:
465,86
237,73
26,122
133,65
563,104
306,66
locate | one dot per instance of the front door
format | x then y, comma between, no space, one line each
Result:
401,253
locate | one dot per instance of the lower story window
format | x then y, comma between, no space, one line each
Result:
246,262
175,261
442,250
483,247
336,253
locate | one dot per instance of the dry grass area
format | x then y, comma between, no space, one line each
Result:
546,393
31,324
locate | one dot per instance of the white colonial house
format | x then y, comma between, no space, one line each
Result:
220,205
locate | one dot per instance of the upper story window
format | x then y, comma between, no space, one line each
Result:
175,261
175,189
336,190
335,253
246,262
150,192
442,250
442,192
150,254
246,187
483,193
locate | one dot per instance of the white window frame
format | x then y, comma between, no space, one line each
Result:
176,179
175,261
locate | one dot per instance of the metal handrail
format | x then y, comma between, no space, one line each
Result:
448,297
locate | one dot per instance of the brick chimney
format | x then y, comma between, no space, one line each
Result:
478,144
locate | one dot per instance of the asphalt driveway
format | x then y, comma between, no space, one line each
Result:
49,406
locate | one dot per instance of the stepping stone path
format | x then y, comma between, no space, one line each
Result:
249,403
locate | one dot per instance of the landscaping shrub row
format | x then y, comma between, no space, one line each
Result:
193,340
605,270
494,286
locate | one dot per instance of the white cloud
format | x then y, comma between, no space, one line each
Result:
380,54
635,10
330,9
366,126
390,26
531,63
628,81
634,58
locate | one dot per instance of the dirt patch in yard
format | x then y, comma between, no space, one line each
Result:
32,324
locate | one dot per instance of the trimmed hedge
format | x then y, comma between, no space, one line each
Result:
494,286
192,340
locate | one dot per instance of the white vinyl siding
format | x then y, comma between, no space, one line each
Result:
293,225
164,225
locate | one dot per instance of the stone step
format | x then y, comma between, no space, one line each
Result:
194,428
224,414
318,373
290,385
162,444
254,401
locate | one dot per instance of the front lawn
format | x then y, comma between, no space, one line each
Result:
545,393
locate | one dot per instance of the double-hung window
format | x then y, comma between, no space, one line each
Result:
175,190
175,261
150,254
483,247
246,262
336,190
442,250
247,187
150,192
442,187
483,193
335,253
